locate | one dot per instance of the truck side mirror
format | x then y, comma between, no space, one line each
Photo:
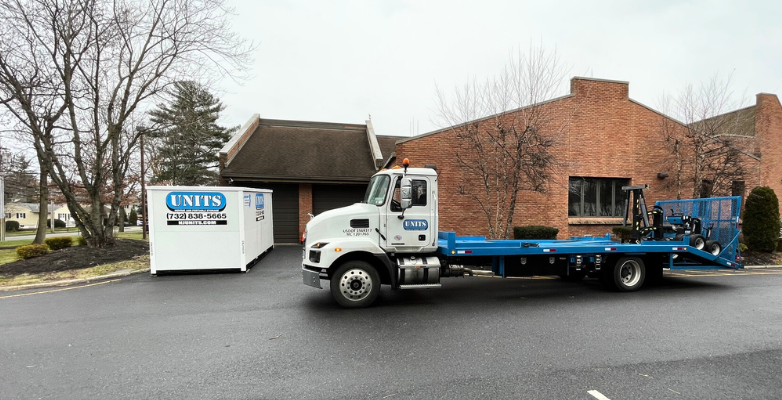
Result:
406,189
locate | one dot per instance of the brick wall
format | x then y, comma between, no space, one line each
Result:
305,204
768,131
600,133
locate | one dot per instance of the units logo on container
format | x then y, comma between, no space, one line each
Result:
259,204
415,225
196,208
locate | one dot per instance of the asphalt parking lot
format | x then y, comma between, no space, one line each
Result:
705,335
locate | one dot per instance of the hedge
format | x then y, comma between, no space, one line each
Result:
535,232
58,223
11,226
623,232
57,243
31,250
761,219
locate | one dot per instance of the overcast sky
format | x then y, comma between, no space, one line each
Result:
339,61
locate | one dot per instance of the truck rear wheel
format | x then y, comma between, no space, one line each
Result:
355,284
629,274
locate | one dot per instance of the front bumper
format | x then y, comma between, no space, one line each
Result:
311,278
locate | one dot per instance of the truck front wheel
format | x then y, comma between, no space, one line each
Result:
355,284
629,274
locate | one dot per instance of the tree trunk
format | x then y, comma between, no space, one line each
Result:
43,215
121,219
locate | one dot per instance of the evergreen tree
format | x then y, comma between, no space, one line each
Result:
133,217
188,137
761,219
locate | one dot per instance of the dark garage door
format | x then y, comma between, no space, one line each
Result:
328,197
285,209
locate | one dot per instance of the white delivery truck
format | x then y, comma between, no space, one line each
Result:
208,228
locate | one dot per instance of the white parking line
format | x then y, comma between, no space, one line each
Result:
598,395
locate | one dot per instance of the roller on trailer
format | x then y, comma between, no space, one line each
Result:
391,238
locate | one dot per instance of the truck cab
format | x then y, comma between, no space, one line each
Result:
358,247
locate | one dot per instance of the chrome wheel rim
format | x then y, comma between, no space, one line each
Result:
630,273
355,284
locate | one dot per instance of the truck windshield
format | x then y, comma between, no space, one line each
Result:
377,190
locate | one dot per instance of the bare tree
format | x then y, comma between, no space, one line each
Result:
702,143
74,75
506,133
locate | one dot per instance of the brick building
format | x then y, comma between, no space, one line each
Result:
609,141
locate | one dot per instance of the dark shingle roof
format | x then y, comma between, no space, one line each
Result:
735,123
305,151
388,145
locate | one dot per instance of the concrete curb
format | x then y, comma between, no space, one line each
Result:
761,266
67,282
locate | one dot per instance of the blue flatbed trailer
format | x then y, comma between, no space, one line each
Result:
721,215
451,245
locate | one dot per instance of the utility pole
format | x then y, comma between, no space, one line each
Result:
2,209
51,212
143,188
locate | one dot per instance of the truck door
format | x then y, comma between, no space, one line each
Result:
411,229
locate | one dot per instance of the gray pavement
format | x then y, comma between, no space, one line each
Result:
265,335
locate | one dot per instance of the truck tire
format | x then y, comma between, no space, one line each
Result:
355,284
714,247
698,242
629,274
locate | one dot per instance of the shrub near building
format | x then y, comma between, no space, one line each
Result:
31,250
57,243
761,220
535,232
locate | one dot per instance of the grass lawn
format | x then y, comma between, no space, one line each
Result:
135,264
15,243
7,256
131,235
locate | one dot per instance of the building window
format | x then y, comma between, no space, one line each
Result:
707,188
737,188
596,197
21,216
8,215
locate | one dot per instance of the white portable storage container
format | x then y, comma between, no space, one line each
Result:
207,228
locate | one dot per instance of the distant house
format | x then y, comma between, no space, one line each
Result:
62,213
26,214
